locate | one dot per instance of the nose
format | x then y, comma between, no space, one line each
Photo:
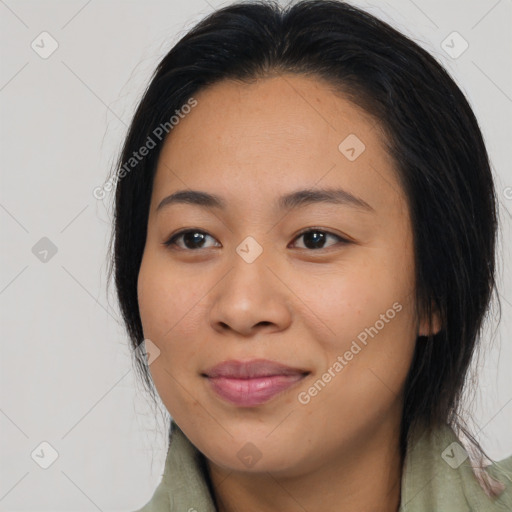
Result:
251,298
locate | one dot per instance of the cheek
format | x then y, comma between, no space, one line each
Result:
366,352
163,306
344,301
165,298
152,298
364,312
171,306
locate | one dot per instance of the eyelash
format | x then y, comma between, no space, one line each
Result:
172,240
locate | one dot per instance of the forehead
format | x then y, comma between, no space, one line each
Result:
261,140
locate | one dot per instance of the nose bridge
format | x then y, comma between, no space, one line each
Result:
250,293
250,274
250,250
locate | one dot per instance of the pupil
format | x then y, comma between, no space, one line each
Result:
312,239
316,236
189,237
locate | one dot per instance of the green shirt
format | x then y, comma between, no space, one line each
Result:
436,477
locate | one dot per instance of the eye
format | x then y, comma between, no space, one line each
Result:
314,238
193,237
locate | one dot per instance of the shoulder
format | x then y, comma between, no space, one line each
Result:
184,485
501,472
438,475
158,503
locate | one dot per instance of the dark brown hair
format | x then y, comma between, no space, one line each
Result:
432,135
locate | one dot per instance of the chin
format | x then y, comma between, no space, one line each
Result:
257,454
255,462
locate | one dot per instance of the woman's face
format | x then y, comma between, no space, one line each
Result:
335,305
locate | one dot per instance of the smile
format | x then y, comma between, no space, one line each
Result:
252,383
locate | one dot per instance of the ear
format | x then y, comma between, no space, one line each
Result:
423,328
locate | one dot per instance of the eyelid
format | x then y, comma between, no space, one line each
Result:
328,232
170,241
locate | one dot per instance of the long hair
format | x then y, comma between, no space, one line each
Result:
431,134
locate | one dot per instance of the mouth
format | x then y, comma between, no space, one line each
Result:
252,383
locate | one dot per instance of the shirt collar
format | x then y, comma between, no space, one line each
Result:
436,476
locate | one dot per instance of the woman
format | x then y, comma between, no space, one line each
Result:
304,239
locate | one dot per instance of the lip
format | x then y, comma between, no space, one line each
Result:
252,383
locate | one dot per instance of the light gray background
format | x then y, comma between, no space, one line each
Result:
67,377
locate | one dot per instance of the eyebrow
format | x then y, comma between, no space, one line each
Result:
288,201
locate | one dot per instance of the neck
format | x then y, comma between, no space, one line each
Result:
366,477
